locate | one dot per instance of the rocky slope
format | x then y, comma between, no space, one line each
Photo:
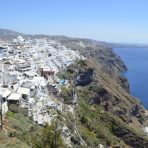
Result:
105,112
101,52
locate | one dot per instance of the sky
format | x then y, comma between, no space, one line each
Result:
123,21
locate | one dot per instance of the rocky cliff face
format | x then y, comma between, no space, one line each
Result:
105,112
102,52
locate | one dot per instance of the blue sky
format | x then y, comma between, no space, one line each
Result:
108,20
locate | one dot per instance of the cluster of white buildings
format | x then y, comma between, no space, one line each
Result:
26,68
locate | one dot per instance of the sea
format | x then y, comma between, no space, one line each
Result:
136,60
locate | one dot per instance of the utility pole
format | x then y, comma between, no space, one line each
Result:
2,73
1,112
56,133
19,106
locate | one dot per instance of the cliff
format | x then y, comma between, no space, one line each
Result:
105,112
101,52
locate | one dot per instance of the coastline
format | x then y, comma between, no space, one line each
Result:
136,71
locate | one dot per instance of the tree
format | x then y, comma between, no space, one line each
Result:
50,138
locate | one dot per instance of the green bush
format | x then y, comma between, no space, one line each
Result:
10,114
65,94
97,89
82,63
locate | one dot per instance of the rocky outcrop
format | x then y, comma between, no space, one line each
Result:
124,83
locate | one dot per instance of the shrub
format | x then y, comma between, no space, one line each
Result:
97,89
66,95
82,63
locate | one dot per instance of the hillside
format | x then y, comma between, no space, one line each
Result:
105,112
7,35
101,52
